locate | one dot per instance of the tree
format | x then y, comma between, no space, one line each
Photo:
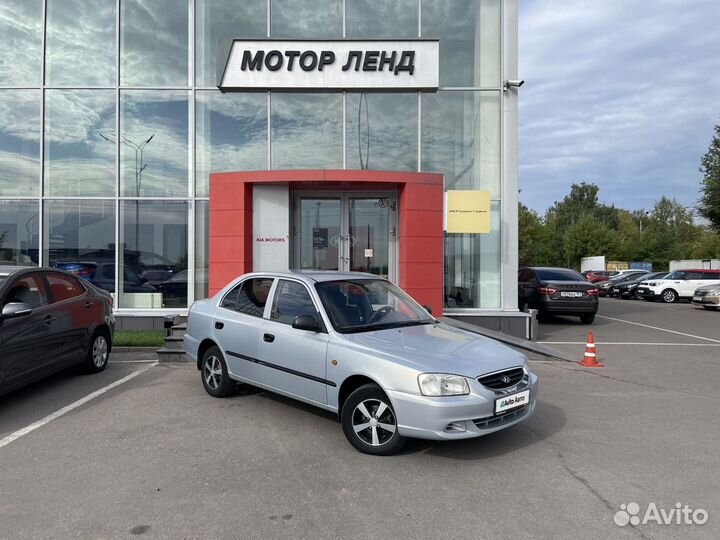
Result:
533,240
709,204
588,237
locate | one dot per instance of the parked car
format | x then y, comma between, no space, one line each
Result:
605,287
593,276
102,275
679,284
357,345
50,320
628,289
707,296
558,291
175,289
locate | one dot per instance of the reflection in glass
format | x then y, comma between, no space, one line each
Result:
79,157
19,232
231,134
21,31
472,267
320,239
461,139
19,142
80,237
153,249
381,18
369,234
154,42
81,42
466,29
220,20
382,131
306,131
154,143
306,18
202,227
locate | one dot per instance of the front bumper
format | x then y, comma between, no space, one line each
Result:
471,416
707,300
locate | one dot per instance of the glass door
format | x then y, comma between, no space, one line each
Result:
318,239
346,232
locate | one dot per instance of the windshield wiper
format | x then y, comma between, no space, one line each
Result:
385,326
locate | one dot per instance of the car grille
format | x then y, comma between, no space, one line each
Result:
495,380
500,419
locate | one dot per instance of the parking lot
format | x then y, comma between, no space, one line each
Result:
155,456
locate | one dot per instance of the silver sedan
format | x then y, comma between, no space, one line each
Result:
357,345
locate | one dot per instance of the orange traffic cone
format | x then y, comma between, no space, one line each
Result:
590,358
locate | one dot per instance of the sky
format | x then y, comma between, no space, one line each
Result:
620,93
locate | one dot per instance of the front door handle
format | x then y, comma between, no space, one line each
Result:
219,325
49,319
269,338
89,304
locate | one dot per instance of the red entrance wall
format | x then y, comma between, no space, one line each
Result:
420,227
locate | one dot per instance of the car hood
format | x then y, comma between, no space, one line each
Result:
439,348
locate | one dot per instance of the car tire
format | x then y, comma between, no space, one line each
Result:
98,352
587,318
360,409
669,296
214,374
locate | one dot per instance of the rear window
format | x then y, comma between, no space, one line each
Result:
559,274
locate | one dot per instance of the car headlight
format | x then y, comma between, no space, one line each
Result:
441,384
713,292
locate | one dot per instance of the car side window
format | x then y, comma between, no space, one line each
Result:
29,290
291,299
64,287
694,275
711,275
249,297
524,276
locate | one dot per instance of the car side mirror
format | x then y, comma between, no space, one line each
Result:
15,309
306,322
427,308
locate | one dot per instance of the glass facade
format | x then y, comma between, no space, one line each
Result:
107,143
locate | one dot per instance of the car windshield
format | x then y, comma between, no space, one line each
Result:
369,304
558,274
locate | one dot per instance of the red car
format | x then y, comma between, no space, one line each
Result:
593,276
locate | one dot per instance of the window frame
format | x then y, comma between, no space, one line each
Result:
44,293
51,295
274,294
237,286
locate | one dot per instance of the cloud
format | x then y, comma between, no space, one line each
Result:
618,94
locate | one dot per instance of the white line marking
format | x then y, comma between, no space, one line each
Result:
630,343
133,361
661,329
57,414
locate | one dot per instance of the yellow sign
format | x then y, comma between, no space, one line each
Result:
468,211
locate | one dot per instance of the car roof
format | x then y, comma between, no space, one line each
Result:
710,270
7,270
316,275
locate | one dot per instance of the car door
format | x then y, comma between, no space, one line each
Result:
237,324
293,360
76,315
692,281
26,342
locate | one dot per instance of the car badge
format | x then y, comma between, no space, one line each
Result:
506,379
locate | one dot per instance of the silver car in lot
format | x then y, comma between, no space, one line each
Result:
357,345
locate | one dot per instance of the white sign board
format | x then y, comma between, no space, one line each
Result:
375,65
271,228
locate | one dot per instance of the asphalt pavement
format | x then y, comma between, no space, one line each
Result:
156,457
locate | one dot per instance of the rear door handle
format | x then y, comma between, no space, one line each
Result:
49,319
219,325
89,304
269,338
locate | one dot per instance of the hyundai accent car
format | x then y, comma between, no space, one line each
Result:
357,345
50,320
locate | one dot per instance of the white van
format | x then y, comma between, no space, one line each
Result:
677,284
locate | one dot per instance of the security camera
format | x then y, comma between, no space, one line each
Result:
515,83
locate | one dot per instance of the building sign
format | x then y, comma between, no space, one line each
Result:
330,65
467,211
320,238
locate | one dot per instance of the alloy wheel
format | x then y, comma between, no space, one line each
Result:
669,296
99,351
374,422
213,372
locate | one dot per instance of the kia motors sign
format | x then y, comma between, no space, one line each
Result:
331,65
